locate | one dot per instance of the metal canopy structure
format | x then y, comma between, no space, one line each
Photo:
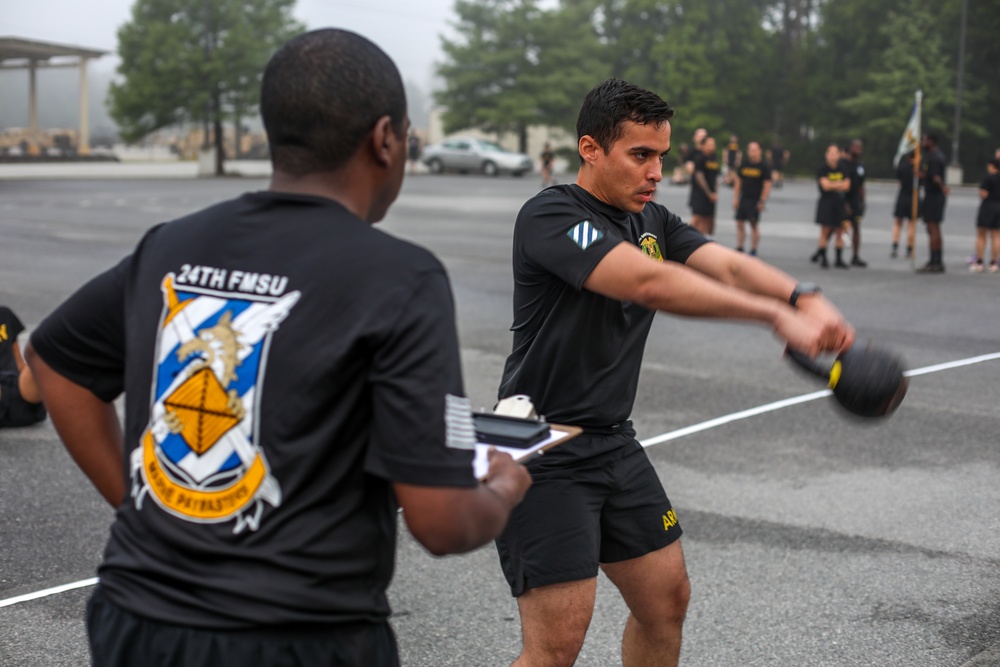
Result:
32,55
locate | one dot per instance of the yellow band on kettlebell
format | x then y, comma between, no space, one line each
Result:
834,374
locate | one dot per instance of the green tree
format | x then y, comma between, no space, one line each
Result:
980,132
708,59
195,60
914,59
515,65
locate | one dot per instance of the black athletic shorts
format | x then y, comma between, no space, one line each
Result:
857,211
934,203
830,212
604,509
904,206
989,215
14,410
119,638
747,210
701,204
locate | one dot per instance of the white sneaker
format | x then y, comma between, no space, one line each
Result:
977,268
993,268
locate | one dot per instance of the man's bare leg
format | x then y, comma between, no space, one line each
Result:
656,589
554,622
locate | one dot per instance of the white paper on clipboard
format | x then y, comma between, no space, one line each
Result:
557,434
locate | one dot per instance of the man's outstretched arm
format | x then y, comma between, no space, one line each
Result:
757,277
715,286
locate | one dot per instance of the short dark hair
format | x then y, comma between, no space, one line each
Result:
608,105
933,137
322,93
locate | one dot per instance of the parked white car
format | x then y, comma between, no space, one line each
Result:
466,154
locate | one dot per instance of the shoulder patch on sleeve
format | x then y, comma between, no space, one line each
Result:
584,234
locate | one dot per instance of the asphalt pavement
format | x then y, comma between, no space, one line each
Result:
811,539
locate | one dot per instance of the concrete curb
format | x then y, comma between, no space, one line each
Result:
124,170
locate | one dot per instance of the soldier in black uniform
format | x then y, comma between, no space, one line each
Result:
291,377
696,140
855,200
733,155
548,163
20,402
903,209
831,213
704,186
750,192
935,200
988,219
413,151
593,262
777,156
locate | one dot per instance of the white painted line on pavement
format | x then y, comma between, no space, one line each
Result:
735,416
672,435
952,364
804,398
83,583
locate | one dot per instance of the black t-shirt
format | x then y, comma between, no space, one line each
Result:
752,177
991,183
856,173
10,329
707,165
904,174
935,167
838,173
830,207
547,157
282,363
576,353
732,153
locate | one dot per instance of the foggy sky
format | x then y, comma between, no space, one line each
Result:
408,30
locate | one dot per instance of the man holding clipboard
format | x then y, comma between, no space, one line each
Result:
269,439
593,261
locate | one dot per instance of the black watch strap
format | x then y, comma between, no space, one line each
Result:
800,289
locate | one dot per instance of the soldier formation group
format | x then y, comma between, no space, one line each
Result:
841,204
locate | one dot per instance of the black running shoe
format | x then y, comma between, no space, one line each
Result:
931,268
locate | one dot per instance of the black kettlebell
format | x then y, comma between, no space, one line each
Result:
867,380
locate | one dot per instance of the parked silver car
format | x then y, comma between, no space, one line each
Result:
466,154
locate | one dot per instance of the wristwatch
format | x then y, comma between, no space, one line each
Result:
800,289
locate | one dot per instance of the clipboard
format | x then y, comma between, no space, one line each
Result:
558,434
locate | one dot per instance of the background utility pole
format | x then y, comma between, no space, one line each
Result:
959,86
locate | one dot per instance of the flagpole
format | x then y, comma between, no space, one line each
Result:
915,209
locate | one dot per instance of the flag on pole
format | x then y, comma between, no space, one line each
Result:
911,136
